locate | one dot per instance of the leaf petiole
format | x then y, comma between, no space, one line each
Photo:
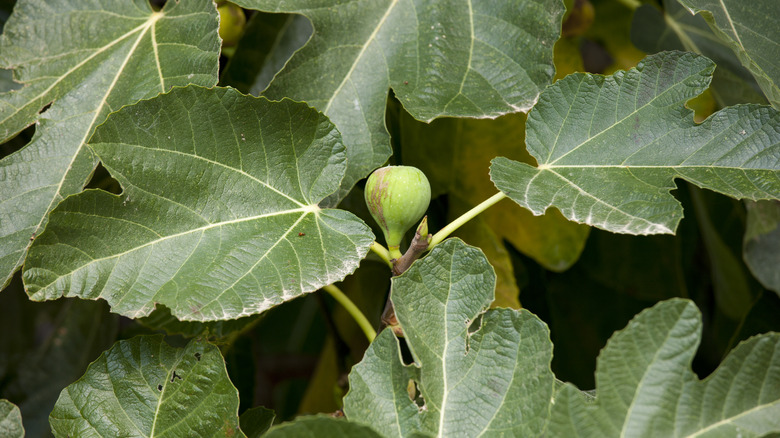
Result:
382,252
353,310
465,217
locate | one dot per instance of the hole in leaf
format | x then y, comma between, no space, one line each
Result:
45,108
103,180
159,387
197,356
406,354
474,326
17,142
175,376
414,394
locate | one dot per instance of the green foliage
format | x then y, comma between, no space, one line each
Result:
144,387
751,33
84,74
441,59
645,386
234,234
137,198
10,420
609,148
461,354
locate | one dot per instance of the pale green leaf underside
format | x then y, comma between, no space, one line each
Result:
218,218
10,420
89,58
609,148
488,379
750,29
645,385
143,387
458,58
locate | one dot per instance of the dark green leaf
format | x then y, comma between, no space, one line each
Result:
729,277
762,242
143,387
218,218
750,29
162,319
268,42
45,347
676,29
256,421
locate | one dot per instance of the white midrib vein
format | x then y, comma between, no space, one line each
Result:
651,363
731,23
304,210
242,172
471,55
162,394
445,390
616,123
598,200
144,28
87,59
359,56
731,419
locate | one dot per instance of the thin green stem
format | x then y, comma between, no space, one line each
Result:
395,252
382,252
465,217
353,310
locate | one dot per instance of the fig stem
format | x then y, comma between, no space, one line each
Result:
395,252
382,252
353,310
465,217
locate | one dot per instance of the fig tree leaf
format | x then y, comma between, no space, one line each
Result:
446,58
144,387
218,218
10,420
761,244
645,385
321,426
750,29
608,148
479,372
86,59
676,29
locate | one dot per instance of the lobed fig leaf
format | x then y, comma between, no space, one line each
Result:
397,197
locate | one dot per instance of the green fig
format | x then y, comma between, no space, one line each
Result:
397,197
231,23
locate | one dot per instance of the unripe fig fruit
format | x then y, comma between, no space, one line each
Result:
397,197
231,23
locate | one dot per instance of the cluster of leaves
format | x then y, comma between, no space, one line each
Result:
168,204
